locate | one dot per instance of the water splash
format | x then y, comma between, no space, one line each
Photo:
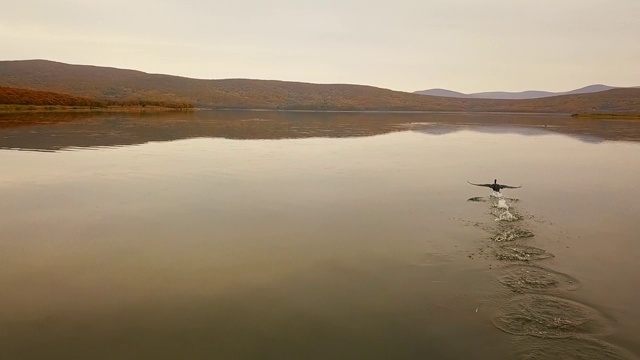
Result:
511,234
501,208
496,194
517,252
505,216
502,204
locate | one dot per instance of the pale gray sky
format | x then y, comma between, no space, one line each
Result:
463,45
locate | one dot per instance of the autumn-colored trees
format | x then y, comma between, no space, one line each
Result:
17,96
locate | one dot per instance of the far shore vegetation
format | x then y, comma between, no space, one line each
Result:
606,116
27,100
12,108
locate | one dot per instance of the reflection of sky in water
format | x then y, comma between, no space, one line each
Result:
356,244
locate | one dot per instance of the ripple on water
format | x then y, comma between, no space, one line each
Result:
433,259
518,252
572,349
550,317
520,278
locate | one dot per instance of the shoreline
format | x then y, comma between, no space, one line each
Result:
26,109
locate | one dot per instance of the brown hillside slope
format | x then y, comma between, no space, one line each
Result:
16,96
129,85
19,96
124,85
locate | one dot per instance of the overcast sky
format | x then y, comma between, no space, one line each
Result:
463,45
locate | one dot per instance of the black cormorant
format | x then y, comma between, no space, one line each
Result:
495,186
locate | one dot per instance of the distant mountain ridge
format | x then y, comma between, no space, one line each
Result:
530,94
107,84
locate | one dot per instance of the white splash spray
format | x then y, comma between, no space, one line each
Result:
501,206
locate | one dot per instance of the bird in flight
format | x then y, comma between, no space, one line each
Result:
495,186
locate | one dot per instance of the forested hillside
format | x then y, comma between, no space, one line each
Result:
129,86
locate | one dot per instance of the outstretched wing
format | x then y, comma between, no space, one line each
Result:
509,187
485,185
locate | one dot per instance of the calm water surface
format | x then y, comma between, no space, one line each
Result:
265,235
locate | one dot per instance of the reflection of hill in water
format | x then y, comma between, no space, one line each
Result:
587,130
56,131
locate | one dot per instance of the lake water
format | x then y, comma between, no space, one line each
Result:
292,235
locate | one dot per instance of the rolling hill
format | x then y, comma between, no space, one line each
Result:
127,85
530,94
110,84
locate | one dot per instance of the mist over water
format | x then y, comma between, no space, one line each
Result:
301,235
